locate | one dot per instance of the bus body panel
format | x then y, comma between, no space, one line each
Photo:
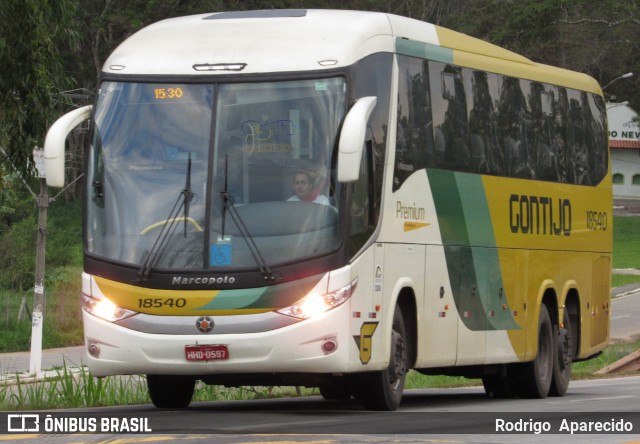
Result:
515,267
286,44
292,349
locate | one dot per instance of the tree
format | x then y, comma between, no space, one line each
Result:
33,34
597,37
605,39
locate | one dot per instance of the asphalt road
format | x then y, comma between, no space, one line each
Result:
461,415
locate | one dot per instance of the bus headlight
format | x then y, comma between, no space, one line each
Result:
315,304
104,309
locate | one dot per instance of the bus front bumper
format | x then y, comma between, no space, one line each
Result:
317,345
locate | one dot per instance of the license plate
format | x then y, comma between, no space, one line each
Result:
206,352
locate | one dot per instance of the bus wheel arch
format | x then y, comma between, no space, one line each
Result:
534,378
407,303
382,390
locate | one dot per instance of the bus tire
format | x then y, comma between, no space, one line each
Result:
170,392
562,358
382,390
534,378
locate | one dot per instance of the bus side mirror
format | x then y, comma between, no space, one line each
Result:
352,139
54,144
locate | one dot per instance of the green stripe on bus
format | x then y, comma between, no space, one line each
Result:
472,259
485,255
423,50
234,299
272,297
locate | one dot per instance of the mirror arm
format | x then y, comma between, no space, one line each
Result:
352,138
54,144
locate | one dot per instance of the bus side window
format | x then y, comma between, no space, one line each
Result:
482,89
580,152
563,135
414,139
450,126
543,149
362,223
598,147
514,118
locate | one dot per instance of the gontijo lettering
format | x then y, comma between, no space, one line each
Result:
539,215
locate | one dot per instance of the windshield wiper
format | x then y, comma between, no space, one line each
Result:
168,229
187,195
229,206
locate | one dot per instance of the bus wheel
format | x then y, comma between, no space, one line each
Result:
562,358
170,392
534,378
383,390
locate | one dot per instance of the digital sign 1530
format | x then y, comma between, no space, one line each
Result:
168,93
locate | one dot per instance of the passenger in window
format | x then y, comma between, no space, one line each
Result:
305,191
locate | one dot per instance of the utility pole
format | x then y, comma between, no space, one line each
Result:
35,361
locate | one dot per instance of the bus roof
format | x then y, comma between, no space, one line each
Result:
269,41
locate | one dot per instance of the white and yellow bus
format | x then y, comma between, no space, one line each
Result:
332,198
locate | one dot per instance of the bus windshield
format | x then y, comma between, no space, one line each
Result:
197,176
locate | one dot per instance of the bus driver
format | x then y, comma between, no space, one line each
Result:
303,189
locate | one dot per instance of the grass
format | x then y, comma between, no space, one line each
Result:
626,242
62,317
618,280
626,249
613,353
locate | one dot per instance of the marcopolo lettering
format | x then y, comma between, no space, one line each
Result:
200,280
539,215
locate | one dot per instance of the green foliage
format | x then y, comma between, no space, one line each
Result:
71,387
618,280
18,229
62,316
17,262
525,27
15,201
32,36
49,47
63,265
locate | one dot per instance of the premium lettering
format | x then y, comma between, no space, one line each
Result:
539,215
410,212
